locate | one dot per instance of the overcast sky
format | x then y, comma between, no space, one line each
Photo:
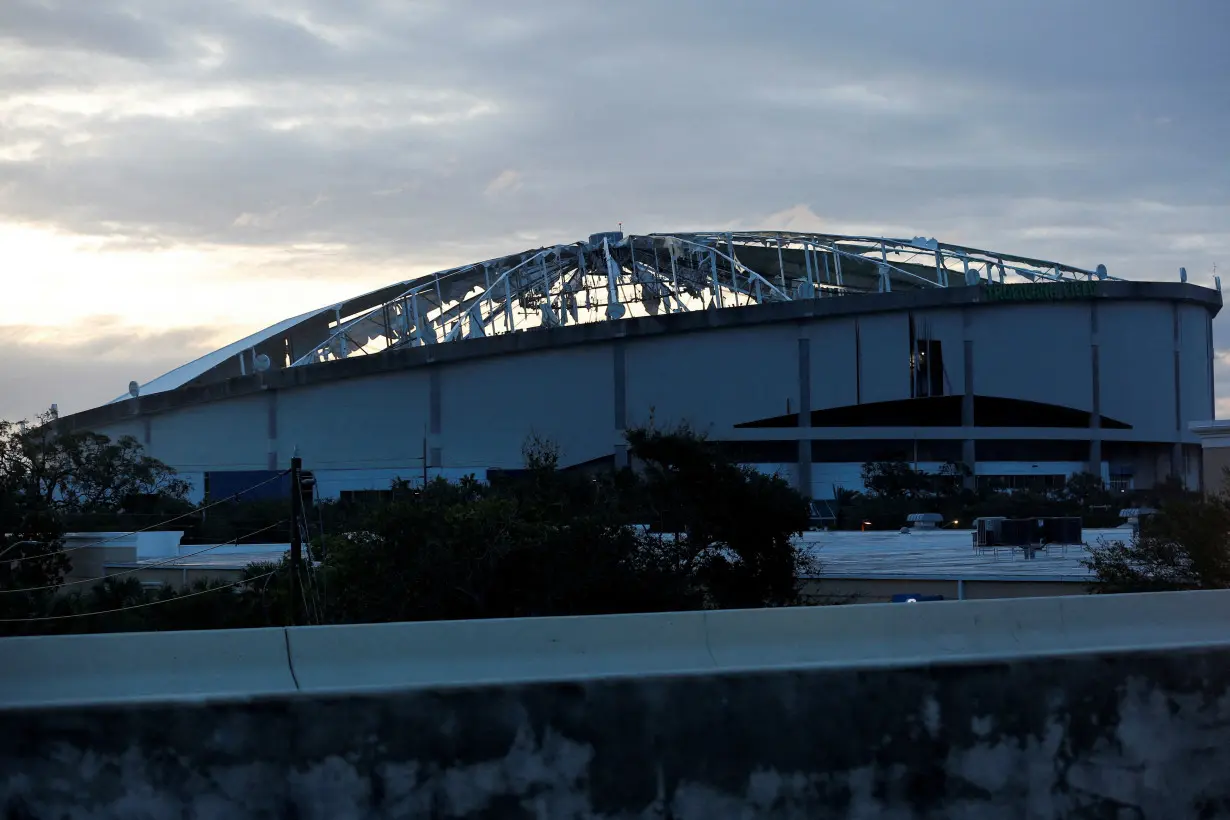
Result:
174,175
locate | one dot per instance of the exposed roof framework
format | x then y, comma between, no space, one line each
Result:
612,276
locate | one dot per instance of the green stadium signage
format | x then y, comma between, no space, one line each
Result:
1040,292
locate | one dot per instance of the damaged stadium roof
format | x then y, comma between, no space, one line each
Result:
612,276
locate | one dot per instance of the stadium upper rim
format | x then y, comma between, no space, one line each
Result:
611,276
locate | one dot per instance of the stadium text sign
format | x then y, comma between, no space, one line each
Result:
1040,292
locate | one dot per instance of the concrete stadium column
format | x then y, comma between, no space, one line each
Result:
1095,415
969,455
803,484
271,429
619,363
1211,355
858,364
434,453
1178,463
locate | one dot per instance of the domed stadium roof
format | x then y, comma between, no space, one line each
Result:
611,276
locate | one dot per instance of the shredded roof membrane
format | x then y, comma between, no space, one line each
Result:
611,276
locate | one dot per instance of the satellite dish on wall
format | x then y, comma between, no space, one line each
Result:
1101,271
261,363
1182,274
134,389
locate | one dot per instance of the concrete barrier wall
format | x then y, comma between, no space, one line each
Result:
146,666
873,590
1059,707
347,658
82,669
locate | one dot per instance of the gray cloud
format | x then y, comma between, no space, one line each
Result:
80,369
706,112
89,27
1083,132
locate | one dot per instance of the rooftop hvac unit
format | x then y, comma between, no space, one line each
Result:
987,531
1019,532
1065,530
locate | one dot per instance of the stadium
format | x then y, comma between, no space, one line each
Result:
803,354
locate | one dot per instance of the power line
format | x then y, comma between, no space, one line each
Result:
307,608
135,606
124,535
296,538
310,569
153,565
320,522
307,589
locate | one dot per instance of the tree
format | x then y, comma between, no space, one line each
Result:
122,604
730,525
552,542
47,477
81,471
1185,546
1086,490
893,490
546,543
895,479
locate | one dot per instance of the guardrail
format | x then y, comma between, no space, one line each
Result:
235,664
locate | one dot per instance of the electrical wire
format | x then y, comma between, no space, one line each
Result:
307,608
152,565
320,526
310,570
122,536
135,606
305,533
302,574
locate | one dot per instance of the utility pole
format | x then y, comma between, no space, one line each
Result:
296,540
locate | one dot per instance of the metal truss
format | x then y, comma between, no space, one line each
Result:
609,276
612,276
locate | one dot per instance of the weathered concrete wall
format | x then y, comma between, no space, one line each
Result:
1092,706
1134,735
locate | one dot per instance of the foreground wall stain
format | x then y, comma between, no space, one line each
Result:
1135,735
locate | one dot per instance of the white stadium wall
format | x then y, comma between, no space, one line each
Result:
883,363
224,435
488,407
1034,353
833,362
1141,361
1139,351
1197,393
714,379
373,423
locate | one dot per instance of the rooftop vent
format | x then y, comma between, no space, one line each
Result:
925,521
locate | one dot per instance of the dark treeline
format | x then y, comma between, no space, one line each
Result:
894,490
687,528
1186,545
